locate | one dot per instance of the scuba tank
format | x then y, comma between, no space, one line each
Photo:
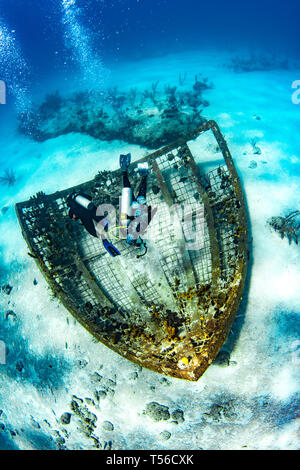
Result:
126,202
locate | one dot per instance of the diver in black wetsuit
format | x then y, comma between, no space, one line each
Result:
82,208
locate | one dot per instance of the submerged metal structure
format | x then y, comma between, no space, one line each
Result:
170,310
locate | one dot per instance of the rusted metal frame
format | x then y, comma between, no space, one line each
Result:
242,262
214,246
78,312
243,243
242,211
187,262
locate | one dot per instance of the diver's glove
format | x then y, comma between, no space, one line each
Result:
111,249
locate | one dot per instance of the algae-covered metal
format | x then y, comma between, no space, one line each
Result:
170,310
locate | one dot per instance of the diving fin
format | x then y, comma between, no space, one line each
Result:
125,161
111,249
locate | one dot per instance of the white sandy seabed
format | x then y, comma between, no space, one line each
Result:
252,403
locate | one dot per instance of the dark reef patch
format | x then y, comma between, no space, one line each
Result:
287,227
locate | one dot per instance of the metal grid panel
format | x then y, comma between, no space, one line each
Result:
146,289
185,190
170,256
224,202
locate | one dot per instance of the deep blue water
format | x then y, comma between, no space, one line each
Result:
133,29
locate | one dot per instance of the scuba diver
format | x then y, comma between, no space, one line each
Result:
135,215
81,208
